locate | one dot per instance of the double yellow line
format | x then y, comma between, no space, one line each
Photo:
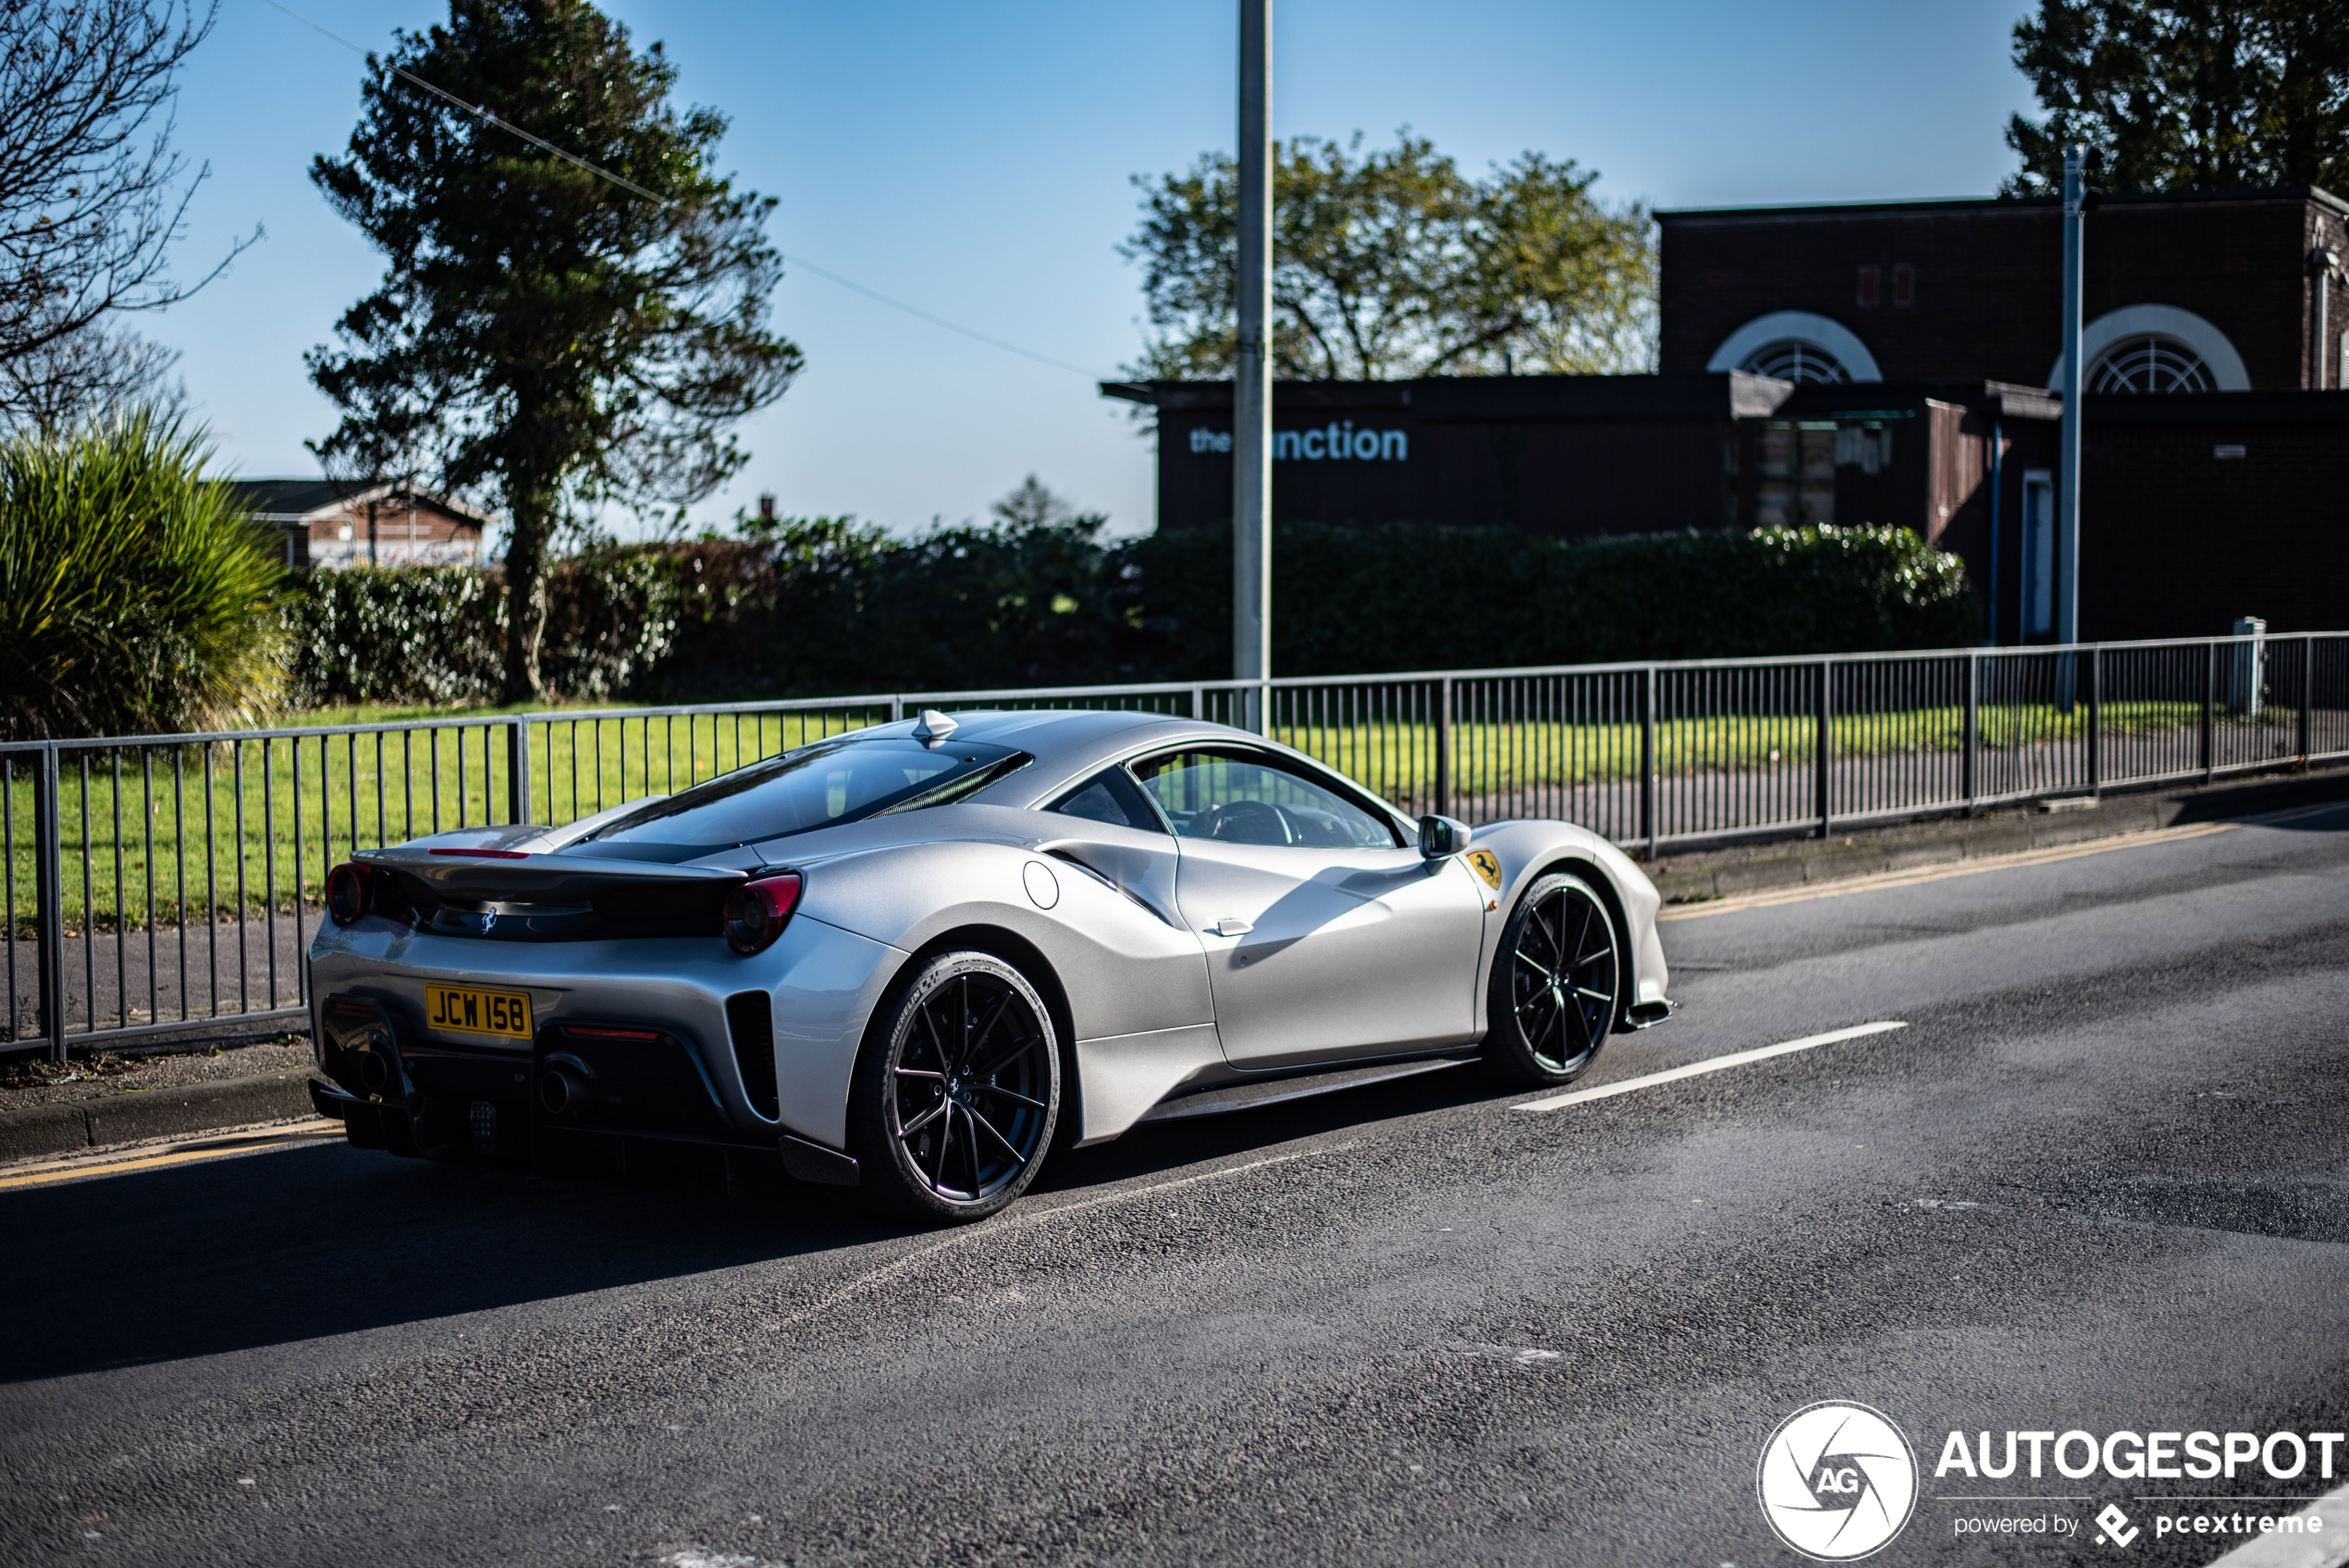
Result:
177,1154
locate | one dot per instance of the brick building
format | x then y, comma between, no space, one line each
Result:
2214,419
328,523
1551,454
1891,362
2206,293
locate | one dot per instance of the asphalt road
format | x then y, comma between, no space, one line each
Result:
2100,1181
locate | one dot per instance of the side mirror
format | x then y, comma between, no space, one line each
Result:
1441,836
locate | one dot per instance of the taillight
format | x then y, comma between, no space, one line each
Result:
347,892
757,912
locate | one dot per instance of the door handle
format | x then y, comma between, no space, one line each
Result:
1230,925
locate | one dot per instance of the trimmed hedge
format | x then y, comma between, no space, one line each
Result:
1416,597
828,606
437,634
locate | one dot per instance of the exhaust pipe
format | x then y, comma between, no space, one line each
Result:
563,1089
376,1071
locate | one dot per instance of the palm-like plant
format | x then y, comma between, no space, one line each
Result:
136,596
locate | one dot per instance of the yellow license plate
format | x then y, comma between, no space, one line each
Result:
469,1011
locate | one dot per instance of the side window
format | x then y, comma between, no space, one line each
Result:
1245,799
1110,797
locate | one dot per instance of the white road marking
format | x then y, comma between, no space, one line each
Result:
2330,1549
1711,1064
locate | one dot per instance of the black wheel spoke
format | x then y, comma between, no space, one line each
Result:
1014,1095
970,1152
1581,934
927,1017
1549,938
945,1140
985,1027
961,1023
1009,1147
924,1119
1004,1057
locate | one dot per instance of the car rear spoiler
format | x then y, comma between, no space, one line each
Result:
639,894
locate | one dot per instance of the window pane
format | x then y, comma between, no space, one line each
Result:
1243,800
816,786
1110,797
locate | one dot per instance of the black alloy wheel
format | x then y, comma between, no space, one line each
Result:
957,1094
1558,984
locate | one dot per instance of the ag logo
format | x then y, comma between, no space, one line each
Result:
1487,865
1837,1481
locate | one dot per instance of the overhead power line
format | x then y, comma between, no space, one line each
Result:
482,112
942,321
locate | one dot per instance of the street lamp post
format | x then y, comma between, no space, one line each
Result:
1252,373
2068,454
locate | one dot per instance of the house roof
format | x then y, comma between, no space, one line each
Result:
308,500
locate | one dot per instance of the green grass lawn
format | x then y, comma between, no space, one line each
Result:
157,833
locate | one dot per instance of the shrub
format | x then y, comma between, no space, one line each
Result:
1401,597
826,606
135,596
437,634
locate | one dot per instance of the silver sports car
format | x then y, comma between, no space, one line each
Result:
917,956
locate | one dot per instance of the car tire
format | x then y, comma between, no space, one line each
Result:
957,1091
1556,986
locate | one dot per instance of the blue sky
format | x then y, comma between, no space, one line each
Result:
974,161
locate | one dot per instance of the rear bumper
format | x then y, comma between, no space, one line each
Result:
821,984
329,1101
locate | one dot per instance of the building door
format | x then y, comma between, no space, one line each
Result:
2038,554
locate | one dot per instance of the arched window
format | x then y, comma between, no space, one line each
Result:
2155,349
2149,363
1796,346
1791,359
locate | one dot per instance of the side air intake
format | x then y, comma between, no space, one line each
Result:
750,1019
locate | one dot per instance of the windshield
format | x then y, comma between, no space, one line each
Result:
831,781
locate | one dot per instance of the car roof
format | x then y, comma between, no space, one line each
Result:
1070,743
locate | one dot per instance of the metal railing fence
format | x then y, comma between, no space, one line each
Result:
160,884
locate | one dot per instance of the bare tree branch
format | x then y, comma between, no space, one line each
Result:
69,381
91,194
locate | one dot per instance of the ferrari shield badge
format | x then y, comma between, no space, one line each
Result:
1487,865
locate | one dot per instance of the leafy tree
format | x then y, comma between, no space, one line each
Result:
1035,505
542,334
2187,96
1391,262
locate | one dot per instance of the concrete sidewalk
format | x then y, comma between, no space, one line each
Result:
1721,871
47,1131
